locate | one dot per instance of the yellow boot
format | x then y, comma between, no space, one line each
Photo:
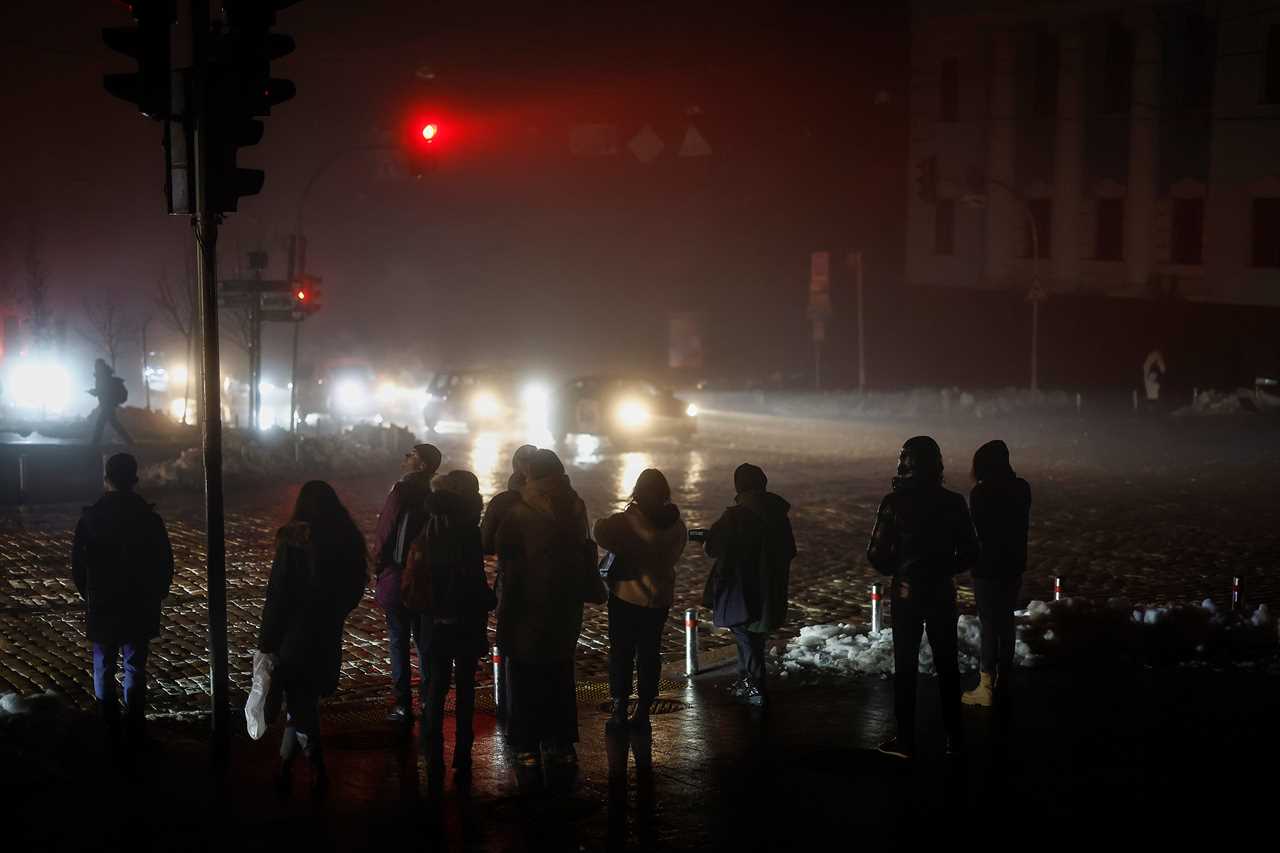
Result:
980,695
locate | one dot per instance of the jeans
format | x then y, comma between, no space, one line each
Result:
997,599
751,655
544,704
403,625
635,637
928,607
105,656
449,655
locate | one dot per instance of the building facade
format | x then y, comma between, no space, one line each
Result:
1112,148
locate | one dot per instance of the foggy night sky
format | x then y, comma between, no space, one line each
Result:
514,249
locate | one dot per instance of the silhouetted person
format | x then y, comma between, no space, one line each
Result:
923,537
460,605
753,546
319,575
122,565
646,539
1001,506
403,514
111,394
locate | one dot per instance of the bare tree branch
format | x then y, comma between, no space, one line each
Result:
109,327
39,311
177,305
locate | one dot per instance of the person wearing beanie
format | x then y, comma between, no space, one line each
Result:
122,565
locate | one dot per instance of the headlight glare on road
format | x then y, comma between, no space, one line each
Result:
633,414
691,410
485,404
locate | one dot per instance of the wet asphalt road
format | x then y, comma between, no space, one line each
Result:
1152,510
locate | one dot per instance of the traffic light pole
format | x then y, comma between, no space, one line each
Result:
205,226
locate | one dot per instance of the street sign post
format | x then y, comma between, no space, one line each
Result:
819,307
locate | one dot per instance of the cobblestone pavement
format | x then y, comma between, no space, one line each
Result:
1154,510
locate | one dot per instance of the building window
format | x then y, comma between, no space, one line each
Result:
944,227
1118,72
1271,82
1042,212
1187,239
1266,232
1045,102
1109,240
949,89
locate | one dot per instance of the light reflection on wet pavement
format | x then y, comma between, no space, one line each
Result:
1118,512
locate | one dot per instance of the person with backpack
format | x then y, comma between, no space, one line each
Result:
923,537
319,575
1001,506
122,565
112,394
753,545
403,514
449,550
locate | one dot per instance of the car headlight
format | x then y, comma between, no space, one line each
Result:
633,414
349,395
40,385
485,404
178,373
691,410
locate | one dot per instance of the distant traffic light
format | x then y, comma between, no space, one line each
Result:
927,180
148,43
307,294
429,132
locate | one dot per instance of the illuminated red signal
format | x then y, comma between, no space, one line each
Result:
429,131
302,296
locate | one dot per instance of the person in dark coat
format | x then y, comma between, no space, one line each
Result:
122,565
542,546
111,394
319,575
923,537
753,545
1001,505
460,605
403,515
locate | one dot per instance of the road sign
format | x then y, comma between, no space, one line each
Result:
277,301
253,285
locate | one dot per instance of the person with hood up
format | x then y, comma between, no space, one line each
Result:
501,503
543,548
403,515
460,605
1001,505
122,565
923,537
319,575
646,540
753,545
111,394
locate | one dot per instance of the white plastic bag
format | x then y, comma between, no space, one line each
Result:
255,709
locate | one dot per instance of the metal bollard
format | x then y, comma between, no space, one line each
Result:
1057,588
691,643
499,683
1236,598
875,608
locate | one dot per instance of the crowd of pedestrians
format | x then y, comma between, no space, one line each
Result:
428,558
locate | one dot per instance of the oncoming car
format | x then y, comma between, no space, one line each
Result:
621,408
471,400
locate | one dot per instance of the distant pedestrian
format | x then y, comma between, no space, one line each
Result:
319,575
1001,506
460,604
122,565
923,537
403,514
543,548
753,546
646,540
112,394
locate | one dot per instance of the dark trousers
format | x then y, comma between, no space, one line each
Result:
635,638
106,657
751,655
927,607
997,599
402,626
544,704
449,655
302,720
107,415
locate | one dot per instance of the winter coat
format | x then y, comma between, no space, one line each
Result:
542,548
646,553
408,495
460,595
922,534
1001,515
753,546
122,566
500,505
311,591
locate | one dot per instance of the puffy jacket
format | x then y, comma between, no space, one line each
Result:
122,565
1001,515
922,533
406,501
753,546
647,552
460,595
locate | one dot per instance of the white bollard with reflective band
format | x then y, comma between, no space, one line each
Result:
1235,594
498,686
691,643
1057,589
875,608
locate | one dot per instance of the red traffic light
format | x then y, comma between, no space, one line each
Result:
302,295
429,131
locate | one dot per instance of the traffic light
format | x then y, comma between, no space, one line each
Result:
148,43
241,89
307,296
927,180
424,146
